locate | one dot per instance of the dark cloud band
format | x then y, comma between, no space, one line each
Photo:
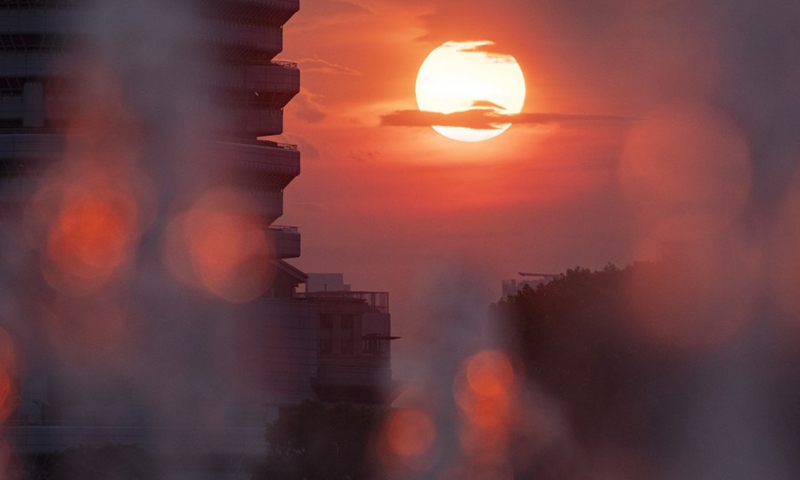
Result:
486,119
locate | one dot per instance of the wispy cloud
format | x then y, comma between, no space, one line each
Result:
308,106
482,118
486,47
318,65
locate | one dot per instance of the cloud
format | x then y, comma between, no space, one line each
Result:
326,13
365,156
485,117
308,106
488,48
329,8
318,65
486,104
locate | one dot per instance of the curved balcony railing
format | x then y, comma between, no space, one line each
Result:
233,76
249,43
285,241
261,12
270,86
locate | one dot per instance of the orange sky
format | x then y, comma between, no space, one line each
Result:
383,203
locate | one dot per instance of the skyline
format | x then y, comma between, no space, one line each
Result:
383,202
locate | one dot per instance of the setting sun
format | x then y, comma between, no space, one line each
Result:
466,77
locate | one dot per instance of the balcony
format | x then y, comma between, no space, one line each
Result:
258,157
247,122
259,87
377,300
259,12
285,241
248,43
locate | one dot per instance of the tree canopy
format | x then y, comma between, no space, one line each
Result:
315,442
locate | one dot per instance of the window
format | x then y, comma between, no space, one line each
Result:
372,344
325,322
347,322
347,346
325,346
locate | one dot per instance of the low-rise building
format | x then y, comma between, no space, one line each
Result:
354,335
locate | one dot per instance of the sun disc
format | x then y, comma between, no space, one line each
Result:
463,76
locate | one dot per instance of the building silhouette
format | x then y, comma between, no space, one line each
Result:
354,336
274,351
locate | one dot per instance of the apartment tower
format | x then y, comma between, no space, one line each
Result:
47,64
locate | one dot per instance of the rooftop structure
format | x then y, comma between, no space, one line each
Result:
354,335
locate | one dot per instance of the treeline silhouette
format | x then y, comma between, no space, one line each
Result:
625,358
316,442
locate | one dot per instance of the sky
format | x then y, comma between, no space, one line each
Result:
676,126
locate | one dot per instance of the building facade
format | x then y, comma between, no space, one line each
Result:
233,364
354,337
62,68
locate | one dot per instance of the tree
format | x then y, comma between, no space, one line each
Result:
575,336
314,442
109,462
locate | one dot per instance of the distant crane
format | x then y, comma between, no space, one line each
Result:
542,275
511,287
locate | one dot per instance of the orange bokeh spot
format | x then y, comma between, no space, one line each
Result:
484,393
686,157
219,248
410,433
90,238
407,438
91,234
6,393
490,373
7,367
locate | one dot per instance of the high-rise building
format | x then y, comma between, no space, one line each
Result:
114,76
185,95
